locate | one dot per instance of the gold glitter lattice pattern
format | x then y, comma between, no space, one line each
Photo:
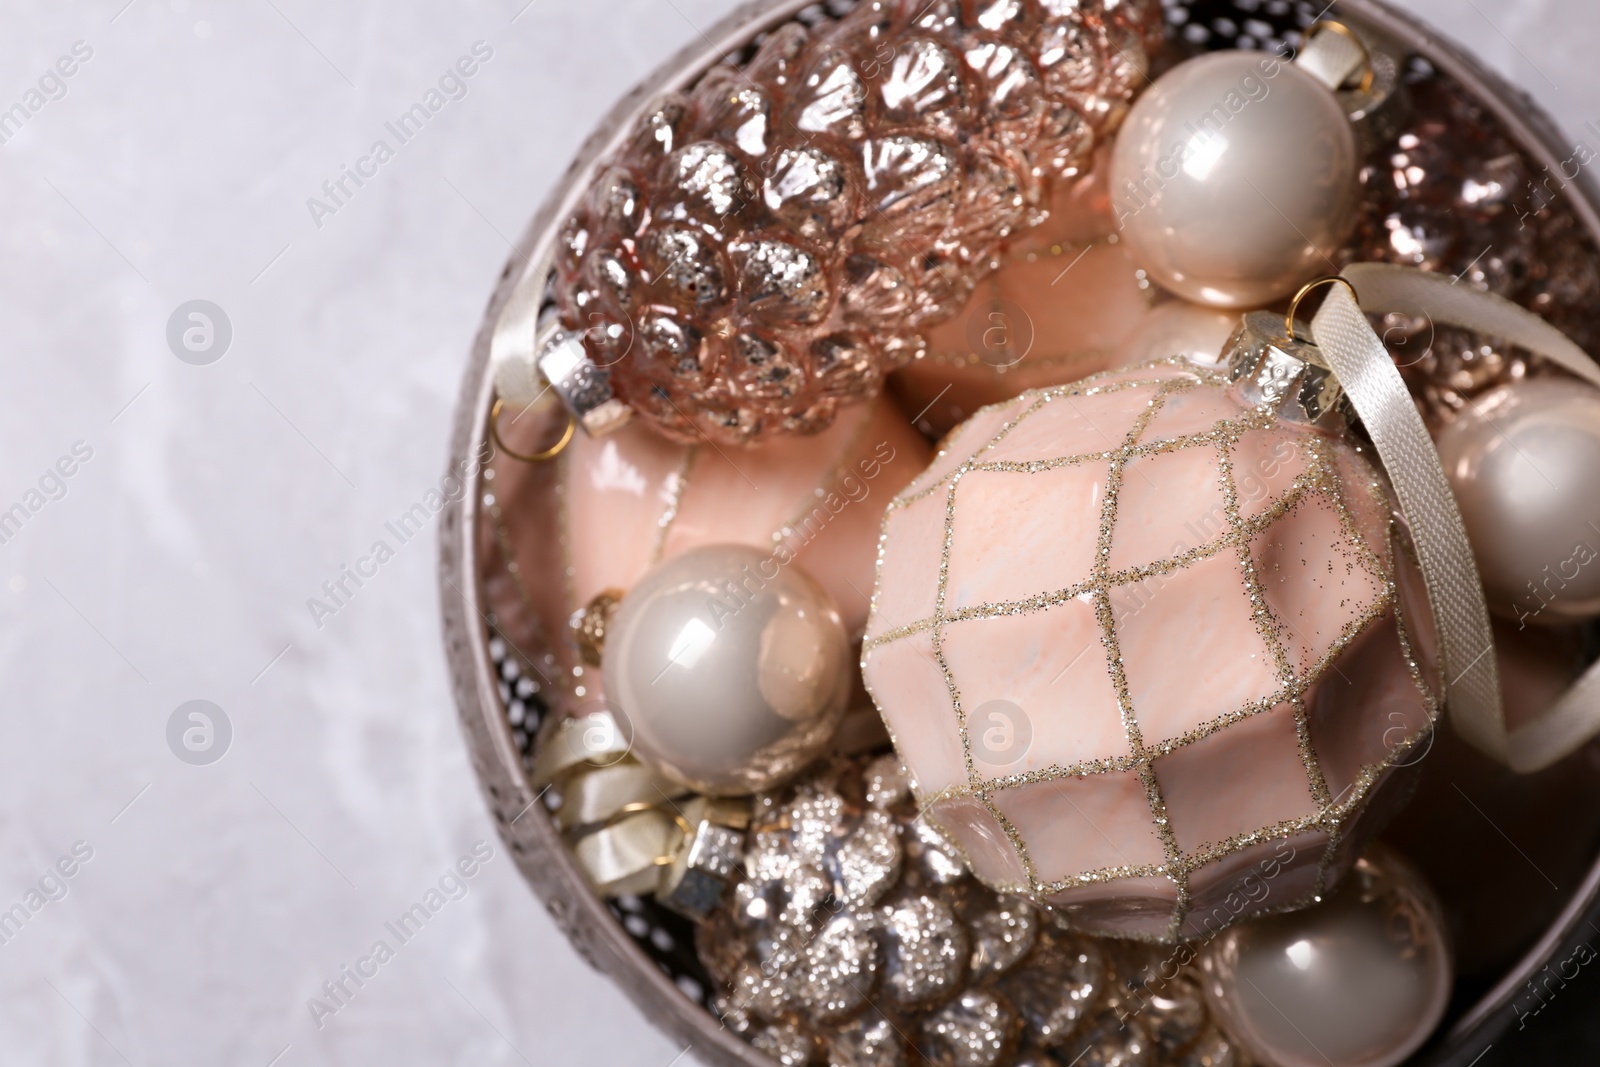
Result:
1144,651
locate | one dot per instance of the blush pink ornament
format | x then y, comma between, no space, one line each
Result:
1065,301
1147,653
632,499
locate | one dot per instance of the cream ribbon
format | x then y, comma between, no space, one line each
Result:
1364,368
597,793
595,740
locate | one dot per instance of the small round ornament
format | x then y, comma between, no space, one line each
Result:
731,670
1178,328
1524,462
1361,980
1234,177
633,499
1143,644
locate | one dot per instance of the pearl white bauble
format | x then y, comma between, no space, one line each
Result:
1179,328
1524,461
1360,980
731,670
1234,178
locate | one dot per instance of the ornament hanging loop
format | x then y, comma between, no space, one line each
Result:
1305,290
529,457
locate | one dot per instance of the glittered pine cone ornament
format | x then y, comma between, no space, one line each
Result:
857,938
768,245
1149,646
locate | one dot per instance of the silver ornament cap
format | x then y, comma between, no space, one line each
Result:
1272,369
583,386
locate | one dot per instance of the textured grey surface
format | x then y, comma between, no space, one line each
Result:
219,498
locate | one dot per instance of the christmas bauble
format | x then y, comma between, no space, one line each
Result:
1063,303
1524,462
1178,328
1140,643
1234,178
1360,980
766,247
731,671
633,498
855,925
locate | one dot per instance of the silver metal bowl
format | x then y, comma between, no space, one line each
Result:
509,320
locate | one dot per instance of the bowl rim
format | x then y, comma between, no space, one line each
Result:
508,323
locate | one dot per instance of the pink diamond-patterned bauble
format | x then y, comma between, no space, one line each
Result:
770,243
1152,656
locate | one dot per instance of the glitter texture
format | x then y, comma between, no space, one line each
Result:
941,970
1052,541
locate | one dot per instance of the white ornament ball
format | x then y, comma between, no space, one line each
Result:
1524,461
1179,328
1234,178
1360,980
731,670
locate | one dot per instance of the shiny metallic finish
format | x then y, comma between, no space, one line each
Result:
1468,202
1358,981
927,948
1234,178
766,246
973,1030
581,384
1524,462
1286,375
733,670
699,877
1380,110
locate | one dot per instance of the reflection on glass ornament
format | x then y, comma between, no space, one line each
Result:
732,670
1524,462
1360,980
1178,328
1196,605
768,245
1234,178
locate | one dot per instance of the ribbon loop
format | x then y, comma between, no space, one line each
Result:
1379,396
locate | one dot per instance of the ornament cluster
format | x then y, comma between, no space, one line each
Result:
1150,647
768,245
858,939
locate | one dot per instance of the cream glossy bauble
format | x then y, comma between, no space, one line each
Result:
1360,980
1234,177
730,670
1524,461
1179,328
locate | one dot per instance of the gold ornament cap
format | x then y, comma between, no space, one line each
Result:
589,625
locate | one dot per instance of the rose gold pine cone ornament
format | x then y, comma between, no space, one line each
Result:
767,246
